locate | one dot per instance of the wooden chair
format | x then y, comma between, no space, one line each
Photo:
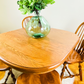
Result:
4,67
47,78
77,55
25,21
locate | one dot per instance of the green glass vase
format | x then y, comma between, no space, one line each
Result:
37,27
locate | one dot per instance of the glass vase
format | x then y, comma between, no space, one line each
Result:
37,27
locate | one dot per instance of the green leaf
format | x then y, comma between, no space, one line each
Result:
49,1
53,2
37,8
29,6
25,10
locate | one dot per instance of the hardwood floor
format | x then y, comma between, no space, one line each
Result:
74,69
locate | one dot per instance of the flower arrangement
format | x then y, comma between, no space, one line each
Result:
30,6
37,26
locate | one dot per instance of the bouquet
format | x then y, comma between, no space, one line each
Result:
30,6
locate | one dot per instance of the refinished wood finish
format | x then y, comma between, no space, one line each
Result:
75,57
3,66
48,78
40,55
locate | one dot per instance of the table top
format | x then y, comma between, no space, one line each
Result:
27,54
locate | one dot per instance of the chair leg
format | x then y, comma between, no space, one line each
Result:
80,71
7,78
68,71
63,70
13,76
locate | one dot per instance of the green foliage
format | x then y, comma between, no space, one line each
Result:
29,6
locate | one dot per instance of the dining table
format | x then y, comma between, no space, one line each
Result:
36,55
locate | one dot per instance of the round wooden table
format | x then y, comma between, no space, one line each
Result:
41,55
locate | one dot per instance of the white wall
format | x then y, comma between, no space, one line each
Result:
64,14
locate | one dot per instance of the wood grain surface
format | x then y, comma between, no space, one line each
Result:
3,66
73,58
48,78
40,55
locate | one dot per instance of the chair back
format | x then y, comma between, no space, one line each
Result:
80,33
25,21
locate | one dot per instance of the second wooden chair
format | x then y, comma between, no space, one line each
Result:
77,55
4,67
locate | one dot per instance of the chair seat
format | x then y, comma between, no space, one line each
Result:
74,58
47,78
3,66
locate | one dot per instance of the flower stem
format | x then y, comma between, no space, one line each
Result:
37,12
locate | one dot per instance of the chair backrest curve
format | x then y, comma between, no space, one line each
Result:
25,21
80,33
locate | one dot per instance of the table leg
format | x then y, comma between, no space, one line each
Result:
47,78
